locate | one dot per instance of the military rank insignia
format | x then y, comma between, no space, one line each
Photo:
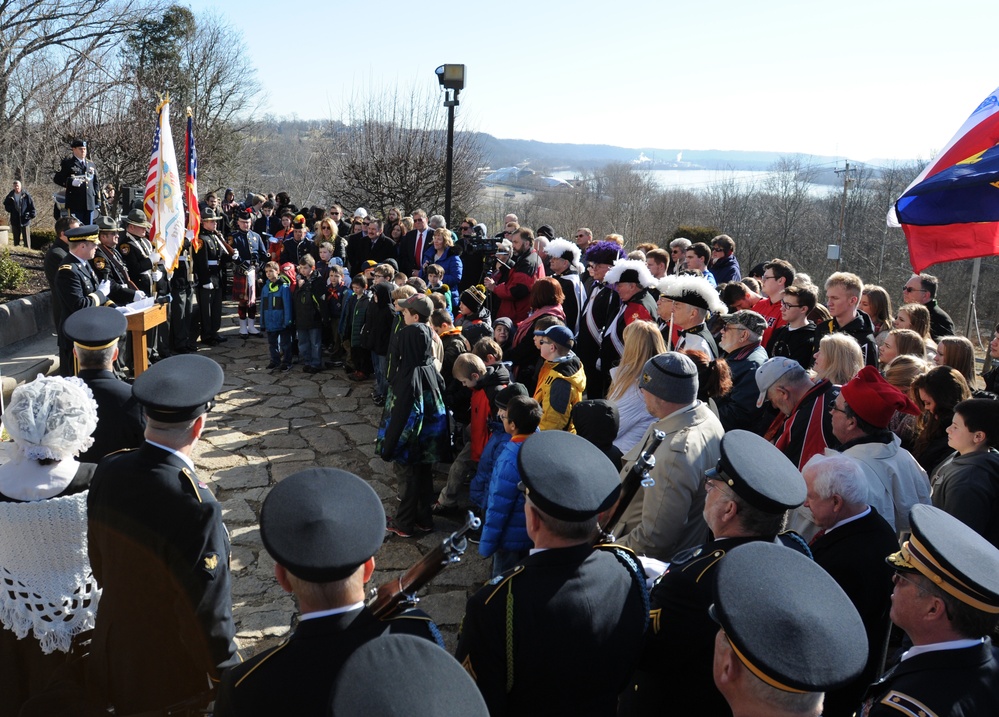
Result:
99,263
125,248
210,563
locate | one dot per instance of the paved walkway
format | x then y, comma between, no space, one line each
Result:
267,426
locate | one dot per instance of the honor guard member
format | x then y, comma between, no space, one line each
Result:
182,287
601,306
250,253
632,280
788,633
558,633
79,176
748,494
144,268
209,265
564,257
77,287
160,552
322,526
95,333
402,674
109,264
687,301
946,599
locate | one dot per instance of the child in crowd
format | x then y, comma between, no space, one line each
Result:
336,292
413,432
598,421
378,331
276,314
438,301
561,381
504,532
488,350
310,310
483,382
399,279
473,316
503,331
478,490
454,343
399,295
436,285
360,356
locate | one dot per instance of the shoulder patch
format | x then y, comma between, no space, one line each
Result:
66,266
500,580
125,248
210,563
907,705
99,262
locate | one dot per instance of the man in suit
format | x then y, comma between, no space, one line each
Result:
79,176
852,546
21,208
413,245
95,333
160,552
946,599
322,526
77,287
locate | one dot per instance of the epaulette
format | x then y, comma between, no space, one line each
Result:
66,266
791,539
195,483
700,560
907,705
263,659
502,579
629,560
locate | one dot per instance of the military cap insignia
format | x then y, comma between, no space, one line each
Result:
210,563
646,378
125,248
99,262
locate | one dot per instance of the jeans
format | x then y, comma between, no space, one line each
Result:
381,382
280,342
310,346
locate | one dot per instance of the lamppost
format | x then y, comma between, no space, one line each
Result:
452,81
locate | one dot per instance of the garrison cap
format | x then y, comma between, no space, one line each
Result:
392,675
787,619
107,224
137,217
88,232
758,473
566,476
179,388
952,556
322,523
95,327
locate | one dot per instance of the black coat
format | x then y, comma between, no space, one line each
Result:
120,422
160,552
408,260
296,677
578,616
942,683
85,196
20,216
854,554
109,265
75,289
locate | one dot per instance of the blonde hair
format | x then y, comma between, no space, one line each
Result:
908,342
642,341
959,354
326,222
842,356
919,317
902,370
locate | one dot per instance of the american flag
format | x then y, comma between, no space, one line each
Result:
163,200
191,186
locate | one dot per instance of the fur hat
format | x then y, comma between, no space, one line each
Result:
630,270
693,290
558,248
604,252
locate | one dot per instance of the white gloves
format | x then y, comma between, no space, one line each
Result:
104,287
157,274
139,295
235,254
206,286
78,181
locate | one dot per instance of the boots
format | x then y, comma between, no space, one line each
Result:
242,327
251,324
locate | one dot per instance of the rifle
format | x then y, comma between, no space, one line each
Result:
637,476
399,593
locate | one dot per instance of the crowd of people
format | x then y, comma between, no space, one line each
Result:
837,441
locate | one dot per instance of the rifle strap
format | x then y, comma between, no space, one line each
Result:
509,637
627,558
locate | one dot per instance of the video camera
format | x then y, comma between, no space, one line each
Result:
479,244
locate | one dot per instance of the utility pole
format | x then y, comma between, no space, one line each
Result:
847,181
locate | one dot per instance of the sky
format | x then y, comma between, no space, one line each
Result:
861,80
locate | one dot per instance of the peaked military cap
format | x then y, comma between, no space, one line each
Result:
95,327
179,388
566,476
403,674
322,523
952,556
76,143
787,619
88,232
758,473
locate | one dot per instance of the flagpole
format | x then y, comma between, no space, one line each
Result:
972,293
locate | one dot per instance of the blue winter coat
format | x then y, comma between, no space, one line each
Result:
505,526
478,491
450,263
276,304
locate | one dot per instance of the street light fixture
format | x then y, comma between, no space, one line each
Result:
452,81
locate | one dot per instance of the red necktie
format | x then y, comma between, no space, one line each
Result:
816,537
419,248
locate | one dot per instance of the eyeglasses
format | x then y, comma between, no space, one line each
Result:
789,306
901,575
717,248
465,227
580,236
734,327
834,407
909,289
765,277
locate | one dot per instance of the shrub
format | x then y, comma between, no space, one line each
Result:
11,273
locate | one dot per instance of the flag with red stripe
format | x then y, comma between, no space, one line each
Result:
191,186
163,201
951,210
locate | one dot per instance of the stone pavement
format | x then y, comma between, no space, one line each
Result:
267,426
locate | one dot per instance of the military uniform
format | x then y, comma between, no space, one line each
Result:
79,177
75,289
208,264
309,661
182,286
120,423
137,255
109,265
252,254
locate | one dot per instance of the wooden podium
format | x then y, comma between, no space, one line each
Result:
138,324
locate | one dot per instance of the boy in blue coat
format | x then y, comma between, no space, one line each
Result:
504,534
276,316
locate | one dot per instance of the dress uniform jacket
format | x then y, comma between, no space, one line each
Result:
675,668
296,677
120,423
82,198
75,289
941,683
642,306
137,253
557,634
160,552
601,305
109,265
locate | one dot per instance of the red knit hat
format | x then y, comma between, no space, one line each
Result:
874,399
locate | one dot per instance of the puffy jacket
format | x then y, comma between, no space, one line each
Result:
505,527
560,387
276,304
515,293
450,263
478,491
